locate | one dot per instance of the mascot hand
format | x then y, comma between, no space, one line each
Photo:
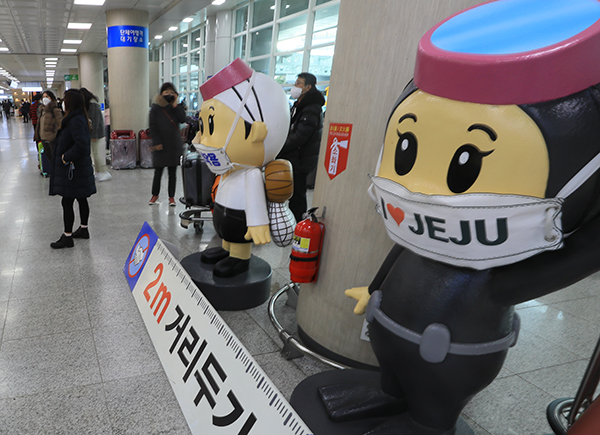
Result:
361,294
197,138
260,235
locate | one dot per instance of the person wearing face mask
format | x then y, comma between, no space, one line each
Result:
302,144
167,146
48,123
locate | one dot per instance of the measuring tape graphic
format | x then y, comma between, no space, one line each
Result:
220,387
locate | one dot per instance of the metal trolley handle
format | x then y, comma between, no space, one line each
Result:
562,413
292,348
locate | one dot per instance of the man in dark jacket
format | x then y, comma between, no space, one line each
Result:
302,144
25,110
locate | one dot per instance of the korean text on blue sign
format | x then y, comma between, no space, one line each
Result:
127,36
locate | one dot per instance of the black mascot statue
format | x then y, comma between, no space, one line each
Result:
488,184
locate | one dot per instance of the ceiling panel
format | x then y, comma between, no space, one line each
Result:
35,29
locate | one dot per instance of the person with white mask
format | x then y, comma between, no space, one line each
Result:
49,122
304,138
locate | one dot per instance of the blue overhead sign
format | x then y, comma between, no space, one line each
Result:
127,36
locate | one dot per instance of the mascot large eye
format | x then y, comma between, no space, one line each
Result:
201,126
406,153
465,168
211,124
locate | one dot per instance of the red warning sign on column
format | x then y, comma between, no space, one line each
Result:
338,144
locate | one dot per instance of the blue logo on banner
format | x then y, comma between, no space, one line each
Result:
139,254
127,36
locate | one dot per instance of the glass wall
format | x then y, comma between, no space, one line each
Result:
280,38
283,38
186,72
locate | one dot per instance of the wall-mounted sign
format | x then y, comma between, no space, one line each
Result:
338,145
69,77
127,36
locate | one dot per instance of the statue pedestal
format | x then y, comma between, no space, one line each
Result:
307,403
246,290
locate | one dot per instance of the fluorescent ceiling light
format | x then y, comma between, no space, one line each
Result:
68,50
72,41
4,49
89,2
218,2
158,37
172,29
81,26
32,89
188,20
51,58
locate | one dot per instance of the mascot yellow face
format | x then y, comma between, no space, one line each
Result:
246,145
438,146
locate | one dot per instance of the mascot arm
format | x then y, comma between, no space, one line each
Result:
550,271
257,218
385,268
260,235
363,294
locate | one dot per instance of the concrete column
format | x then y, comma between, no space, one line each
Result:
91,74
154,80
355,240
223,39
211,28
60,90
128,76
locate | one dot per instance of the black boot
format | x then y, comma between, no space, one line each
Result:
63,242
213,255
230,266
81,233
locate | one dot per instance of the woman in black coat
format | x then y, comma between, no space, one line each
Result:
167,145
72,175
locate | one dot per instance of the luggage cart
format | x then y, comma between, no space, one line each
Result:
562,414
198,182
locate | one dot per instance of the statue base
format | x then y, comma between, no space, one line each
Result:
307,403
246,290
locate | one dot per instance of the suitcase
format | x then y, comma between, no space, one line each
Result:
44,161
145,152
198,180
123,149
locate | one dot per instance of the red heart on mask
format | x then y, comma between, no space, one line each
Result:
396,213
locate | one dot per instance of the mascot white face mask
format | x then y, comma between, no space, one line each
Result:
475,230
216,158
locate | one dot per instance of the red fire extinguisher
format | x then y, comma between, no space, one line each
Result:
306,249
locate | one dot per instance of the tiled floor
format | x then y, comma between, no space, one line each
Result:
75,357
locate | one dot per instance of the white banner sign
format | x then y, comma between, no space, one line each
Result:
219,386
